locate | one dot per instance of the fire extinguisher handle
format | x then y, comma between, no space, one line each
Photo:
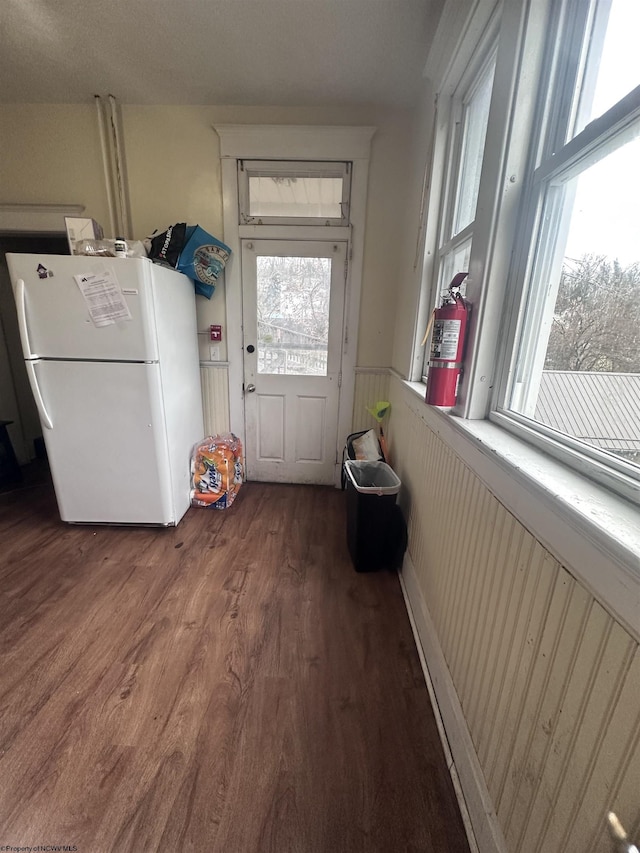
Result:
457,280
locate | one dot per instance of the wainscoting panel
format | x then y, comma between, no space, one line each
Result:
547,680
215,397
372,384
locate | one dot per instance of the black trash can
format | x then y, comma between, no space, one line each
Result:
376,531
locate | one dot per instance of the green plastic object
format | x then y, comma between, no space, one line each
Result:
379,410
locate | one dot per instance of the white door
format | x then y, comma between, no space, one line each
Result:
293,305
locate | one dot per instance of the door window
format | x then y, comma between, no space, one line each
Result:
293,314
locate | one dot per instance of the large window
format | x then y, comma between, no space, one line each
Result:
572,382
466,133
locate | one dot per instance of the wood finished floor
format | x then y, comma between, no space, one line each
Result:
230,685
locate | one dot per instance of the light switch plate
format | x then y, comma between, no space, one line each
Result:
214,353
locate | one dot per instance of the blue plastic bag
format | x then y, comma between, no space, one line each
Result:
203,258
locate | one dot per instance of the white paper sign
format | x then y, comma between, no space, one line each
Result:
104,297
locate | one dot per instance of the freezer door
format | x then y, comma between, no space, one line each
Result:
106,443
54,318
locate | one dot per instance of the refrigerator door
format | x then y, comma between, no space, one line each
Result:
106,442
54,317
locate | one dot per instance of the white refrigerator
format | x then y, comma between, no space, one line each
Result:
111,351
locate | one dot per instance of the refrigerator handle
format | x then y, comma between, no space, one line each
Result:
33,381
21,304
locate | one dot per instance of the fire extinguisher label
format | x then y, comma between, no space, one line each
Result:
444,343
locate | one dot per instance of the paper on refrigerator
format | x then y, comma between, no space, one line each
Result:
104,298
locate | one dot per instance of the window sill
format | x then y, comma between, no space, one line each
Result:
592,532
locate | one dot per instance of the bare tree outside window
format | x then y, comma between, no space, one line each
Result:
293,314
589,387
596,322
572,383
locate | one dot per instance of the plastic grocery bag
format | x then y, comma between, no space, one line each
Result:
203,258
165,248
367,446
216,471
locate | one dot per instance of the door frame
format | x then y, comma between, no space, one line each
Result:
289,386
294,142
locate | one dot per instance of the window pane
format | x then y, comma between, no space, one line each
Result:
295,196
612,66
293,314
475,119
454,262
579,362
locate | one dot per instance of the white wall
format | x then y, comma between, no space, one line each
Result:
51,154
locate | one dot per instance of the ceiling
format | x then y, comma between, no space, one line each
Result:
259,52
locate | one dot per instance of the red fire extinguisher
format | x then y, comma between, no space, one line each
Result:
447,345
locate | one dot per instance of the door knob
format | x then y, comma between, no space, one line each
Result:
250,388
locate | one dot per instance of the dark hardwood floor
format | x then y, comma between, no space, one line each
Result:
230,685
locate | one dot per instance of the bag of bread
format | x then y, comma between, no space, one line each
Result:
216,471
